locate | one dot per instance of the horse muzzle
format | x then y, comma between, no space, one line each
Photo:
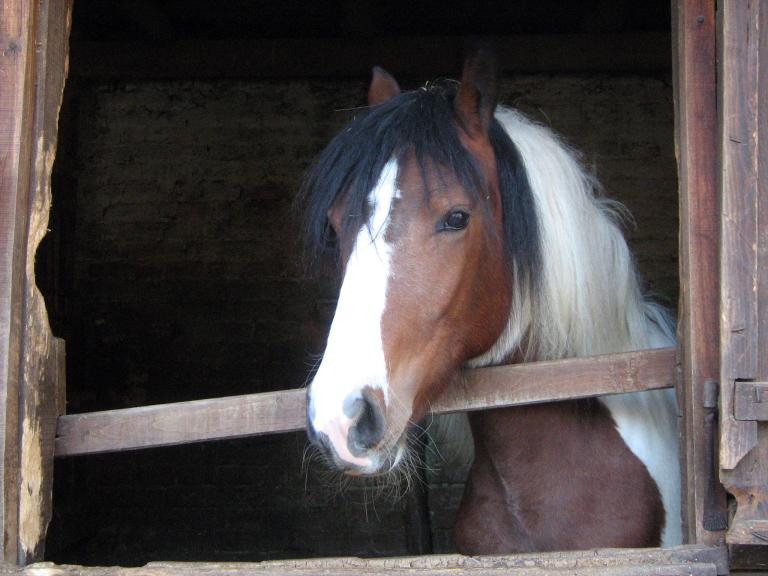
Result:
353,441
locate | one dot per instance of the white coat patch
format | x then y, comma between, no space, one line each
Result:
354,355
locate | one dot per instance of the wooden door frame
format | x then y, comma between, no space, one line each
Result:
33,48
743,182
34,43
696,144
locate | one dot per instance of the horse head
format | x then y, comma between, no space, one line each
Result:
432,252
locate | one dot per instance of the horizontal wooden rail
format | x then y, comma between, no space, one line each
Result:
691,560
275,412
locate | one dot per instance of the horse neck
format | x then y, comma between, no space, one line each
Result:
588,300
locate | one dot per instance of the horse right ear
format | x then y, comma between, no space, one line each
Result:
383,87
476,100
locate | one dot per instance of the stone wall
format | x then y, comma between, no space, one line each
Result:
177,276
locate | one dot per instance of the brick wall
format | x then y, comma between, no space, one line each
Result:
179,278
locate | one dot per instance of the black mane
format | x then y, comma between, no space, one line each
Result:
421,121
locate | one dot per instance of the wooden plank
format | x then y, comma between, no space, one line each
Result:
695,94
244,570
33,39
753,558
41,363
561,560
324,58
274,412
739,32
17,55
743,30
181,423
692,560
750,401
538,382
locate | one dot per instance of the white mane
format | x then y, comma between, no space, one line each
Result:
588,301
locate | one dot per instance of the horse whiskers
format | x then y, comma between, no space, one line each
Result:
313,365
416,458
315,357
310,455
393,484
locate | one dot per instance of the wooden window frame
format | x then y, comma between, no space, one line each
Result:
33,66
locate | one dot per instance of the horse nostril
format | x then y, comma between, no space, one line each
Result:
368,428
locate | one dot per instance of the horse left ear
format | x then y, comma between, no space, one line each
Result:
383,87
476,99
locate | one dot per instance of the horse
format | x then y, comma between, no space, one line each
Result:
468,236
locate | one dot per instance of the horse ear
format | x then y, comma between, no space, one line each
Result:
476,99
383,87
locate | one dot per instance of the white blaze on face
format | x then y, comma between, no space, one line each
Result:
354,355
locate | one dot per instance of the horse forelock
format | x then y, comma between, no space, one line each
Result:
418,127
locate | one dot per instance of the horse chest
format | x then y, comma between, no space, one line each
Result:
555,477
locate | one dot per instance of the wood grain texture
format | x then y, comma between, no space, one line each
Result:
538,382
695,95
181,422
244,570
750,401
33,40
274,412
17,55
692,560
41,368
739,50
744,263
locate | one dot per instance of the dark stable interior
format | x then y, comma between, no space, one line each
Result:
173,267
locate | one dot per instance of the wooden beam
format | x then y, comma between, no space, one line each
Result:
33,48
274,412
17,56
245,569
738,86
679,561
326,58
538,382
743,58
695,89
40,388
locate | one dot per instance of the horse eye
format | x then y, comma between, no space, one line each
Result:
455,220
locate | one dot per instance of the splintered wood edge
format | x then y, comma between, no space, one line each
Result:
279,412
